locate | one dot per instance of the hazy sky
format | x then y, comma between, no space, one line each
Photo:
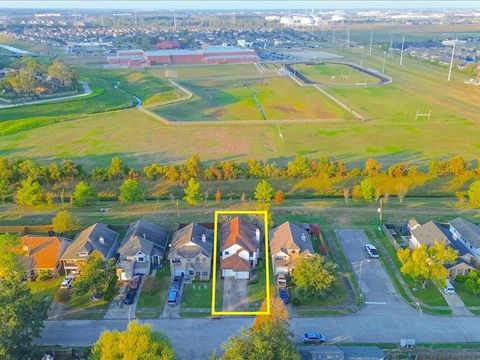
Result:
233,4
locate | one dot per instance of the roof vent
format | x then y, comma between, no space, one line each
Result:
101,240
204,238
304,237
257,234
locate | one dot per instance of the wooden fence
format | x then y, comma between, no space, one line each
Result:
25,229
391,237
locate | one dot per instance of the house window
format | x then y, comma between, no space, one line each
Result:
197,259
251,254
226,253
205,273
175,260
204,259
197,274
141,259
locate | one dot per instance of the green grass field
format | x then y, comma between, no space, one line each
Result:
207,71
224,99
334,74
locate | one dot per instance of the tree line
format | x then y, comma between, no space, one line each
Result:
31,183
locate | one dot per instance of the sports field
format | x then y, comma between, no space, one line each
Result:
206,71
334,74
272,98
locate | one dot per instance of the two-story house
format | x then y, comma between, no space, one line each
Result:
288,243
468,234
142,249
97,237
239,248
191,252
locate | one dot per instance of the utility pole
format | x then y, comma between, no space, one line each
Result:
361,56
371,41
380,211
348,34
451,61
401,53
391,45
333,37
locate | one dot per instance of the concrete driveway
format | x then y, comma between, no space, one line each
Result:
375,284
234,294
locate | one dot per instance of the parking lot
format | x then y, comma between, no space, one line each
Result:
373,280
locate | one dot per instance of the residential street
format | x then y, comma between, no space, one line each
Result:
205,335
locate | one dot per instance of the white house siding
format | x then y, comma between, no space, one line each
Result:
457,236
228,272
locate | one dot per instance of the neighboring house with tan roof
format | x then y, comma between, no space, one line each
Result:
288,243
42,253
97,237
239,248
191,252
142,249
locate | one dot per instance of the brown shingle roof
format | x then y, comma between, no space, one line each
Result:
44,250
236,263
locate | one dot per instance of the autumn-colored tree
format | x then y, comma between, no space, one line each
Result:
402,190
218,196
279,197
457,165
427,263
138,342
372,167
474,193
278,312
357,193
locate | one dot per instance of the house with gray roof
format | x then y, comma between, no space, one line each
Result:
191,252
427,234
97,237
142,249
468,234
288,243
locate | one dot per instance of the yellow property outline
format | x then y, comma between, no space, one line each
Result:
267,262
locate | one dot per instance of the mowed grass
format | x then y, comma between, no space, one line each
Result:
416,86
278,97
334,74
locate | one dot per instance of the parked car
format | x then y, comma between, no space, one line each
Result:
177,282
449,289
135,282
67,282
172,297
313,337
283,294
371,251
281,281
130,297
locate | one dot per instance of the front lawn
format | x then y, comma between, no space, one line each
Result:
154,290
467,297
336,296
47,288
197,295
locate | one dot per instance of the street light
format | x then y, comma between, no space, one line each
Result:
384,60
360,273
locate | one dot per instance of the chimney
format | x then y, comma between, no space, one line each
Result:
144,236
257,234
304,237
26,249
101,239
204,238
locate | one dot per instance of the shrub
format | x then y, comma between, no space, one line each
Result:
44,275
461,278
63,295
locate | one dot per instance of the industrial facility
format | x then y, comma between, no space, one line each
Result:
209,55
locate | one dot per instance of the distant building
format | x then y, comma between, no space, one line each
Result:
209,55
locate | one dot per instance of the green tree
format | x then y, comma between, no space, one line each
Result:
367,189
192,192
5,189
264,192
474,193
299,167
472,283
31,64
30,193
9,256
22,318
138,342
82,193
94,274
65,222
255,169
427,263
58,70
131,191
21,81
313,276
